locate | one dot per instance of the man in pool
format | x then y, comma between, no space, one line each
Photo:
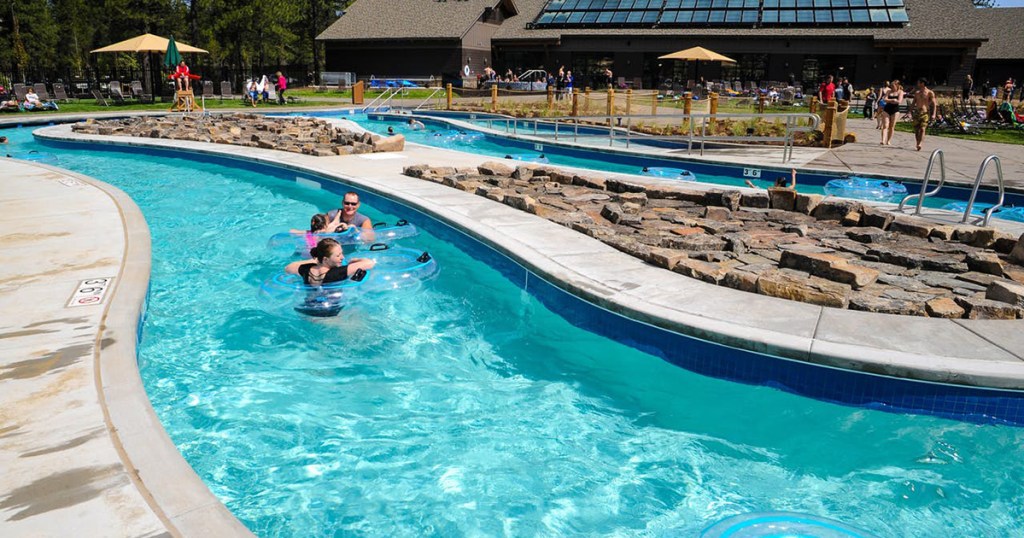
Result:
781,182
350,216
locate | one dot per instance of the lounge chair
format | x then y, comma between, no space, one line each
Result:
19,92
139,93
115,93
40,89
99,98
208,89
225,90
59,93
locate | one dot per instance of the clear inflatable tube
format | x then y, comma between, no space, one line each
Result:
1015,214
300,243
862,188
668,173
396,269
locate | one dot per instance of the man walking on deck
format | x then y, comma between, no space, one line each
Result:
924,109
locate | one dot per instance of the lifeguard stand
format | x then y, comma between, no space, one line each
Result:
184,101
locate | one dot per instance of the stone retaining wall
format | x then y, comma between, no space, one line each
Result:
311,136
804,247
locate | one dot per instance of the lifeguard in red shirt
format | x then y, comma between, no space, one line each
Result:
183,81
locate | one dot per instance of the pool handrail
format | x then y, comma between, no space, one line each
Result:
937,154
429,97
387,95
977,183
794,123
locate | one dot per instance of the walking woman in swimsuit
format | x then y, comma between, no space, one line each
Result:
891,111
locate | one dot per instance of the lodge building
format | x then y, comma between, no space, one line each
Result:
772,40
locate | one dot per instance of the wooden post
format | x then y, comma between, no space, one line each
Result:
551,98
712,103
357,92
586,100
575,102
827,123
448,95
688,103
814,105
629,101
654,104
494,98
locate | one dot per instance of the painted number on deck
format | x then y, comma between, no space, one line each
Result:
752,172
538,147
90,292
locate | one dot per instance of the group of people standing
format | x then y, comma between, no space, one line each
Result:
562,82
991,91
257,89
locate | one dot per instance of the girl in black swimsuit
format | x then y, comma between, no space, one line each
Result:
893,98
328,265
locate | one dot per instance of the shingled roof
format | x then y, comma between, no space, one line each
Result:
408,19
1005,30
930,20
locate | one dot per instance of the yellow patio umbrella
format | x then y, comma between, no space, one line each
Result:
148,43
698,54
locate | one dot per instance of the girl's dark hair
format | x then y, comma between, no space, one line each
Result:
318,222
323,249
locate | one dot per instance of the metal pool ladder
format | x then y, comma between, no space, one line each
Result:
977,183
936,155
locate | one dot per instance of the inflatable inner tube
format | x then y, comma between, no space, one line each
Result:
301,243
1015,214
668,173
396,268
455,136
528,157
861,188
782,524
37,156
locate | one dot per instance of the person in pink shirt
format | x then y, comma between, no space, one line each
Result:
282,85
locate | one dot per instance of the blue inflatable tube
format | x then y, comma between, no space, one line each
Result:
396,269
529,157
860,188
782,524
37,156
668,173
301,243
1015,214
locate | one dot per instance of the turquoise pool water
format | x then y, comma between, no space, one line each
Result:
468,408
437,134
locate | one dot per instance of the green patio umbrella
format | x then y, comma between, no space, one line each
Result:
172,57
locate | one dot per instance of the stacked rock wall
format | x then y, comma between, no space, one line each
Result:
826,251
311,136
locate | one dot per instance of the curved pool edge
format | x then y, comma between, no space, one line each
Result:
168,498
983,355
161,473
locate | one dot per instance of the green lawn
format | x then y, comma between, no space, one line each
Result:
1002,136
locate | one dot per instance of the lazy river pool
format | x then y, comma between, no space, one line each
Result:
470,408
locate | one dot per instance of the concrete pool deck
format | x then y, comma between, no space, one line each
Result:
145,488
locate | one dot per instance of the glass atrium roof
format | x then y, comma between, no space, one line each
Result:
749,13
